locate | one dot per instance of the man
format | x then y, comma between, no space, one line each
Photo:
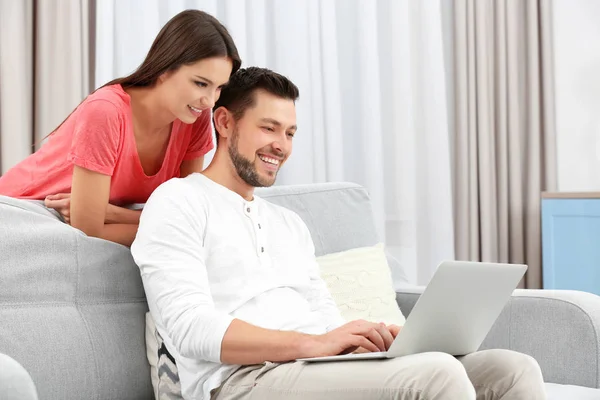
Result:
233,285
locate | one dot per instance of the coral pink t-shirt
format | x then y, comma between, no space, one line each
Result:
99,136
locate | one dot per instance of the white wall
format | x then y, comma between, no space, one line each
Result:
577,67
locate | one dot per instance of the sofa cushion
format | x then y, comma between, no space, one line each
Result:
556,391
360,283
15,381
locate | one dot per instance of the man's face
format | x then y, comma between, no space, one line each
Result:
262,139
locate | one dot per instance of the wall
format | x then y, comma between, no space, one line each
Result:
577,67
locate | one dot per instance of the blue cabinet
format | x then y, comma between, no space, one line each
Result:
571,241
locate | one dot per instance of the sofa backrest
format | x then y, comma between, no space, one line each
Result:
338,215
72,308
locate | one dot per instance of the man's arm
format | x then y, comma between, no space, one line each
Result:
246,344
169,251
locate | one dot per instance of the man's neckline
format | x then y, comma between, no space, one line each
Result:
228,191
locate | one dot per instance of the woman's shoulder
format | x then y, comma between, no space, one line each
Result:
111,99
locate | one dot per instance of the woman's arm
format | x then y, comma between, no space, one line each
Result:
120,215
89,203
119,233
61,202
191,166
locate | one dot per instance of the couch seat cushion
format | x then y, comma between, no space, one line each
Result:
571,392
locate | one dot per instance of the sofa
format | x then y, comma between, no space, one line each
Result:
72,308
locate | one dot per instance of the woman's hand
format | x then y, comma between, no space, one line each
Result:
60,202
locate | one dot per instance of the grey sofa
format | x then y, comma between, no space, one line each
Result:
72,307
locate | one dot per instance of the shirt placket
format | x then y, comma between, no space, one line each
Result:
262,251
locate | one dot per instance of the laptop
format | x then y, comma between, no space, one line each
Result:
455,312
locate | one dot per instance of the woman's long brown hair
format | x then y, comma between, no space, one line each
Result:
188,37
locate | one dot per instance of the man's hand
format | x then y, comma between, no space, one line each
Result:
348,338
394,330
60,202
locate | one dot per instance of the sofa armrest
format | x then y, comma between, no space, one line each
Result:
559,328
15,381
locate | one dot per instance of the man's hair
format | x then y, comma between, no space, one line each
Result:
239,93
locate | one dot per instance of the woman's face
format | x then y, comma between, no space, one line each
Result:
194,88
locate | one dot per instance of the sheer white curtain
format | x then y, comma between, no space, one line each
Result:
372,106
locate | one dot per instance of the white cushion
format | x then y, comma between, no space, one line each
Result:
163,371
360,283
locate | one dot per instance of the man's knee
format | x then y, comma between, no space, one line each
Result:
513,362
506,372
523,367
441,376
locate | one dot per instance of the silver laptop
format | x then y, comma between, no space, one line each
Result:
455,312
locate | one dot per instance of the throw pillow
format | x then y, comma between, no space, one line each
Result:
152,351
360,283
163,370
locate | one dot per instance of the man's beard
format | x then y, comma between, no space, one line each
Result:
244,167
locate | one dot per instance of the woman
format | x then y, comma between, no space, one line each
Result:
134,133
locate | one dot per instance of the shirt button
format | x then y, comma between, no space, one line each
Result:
262,249
259,226
248,209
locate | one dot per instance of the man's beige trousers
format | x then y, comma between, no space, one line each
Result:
489,375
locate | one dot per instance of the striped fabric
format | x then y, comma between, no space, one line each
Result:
169,387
